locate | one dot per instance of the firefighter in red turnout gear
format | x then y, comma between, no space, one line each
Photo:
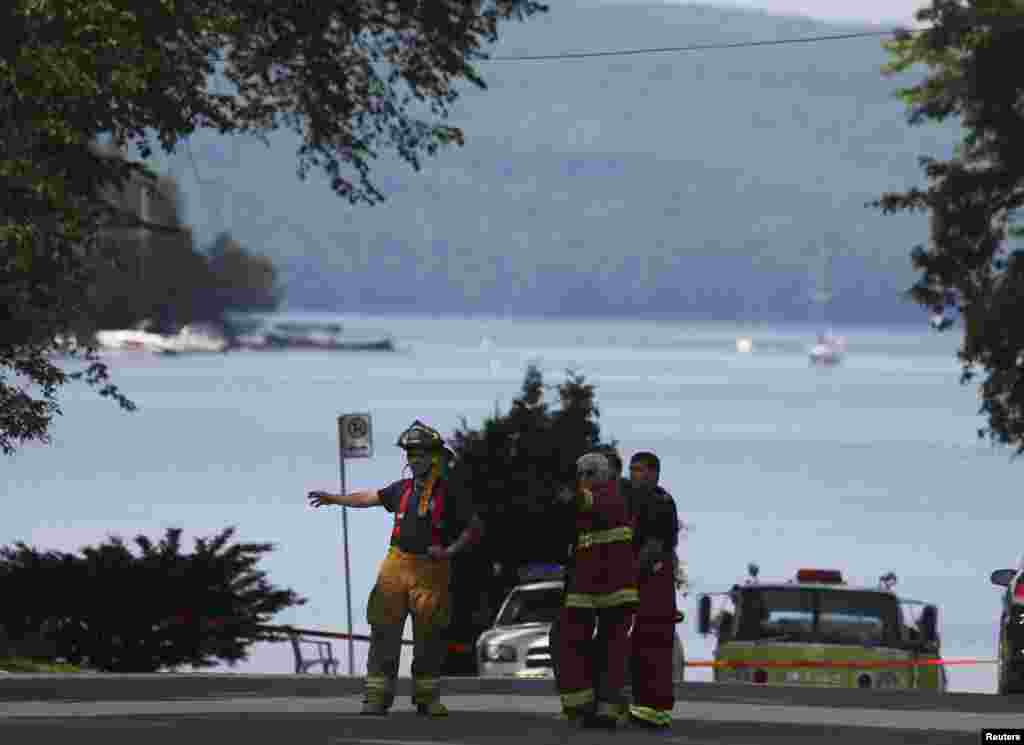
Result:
602,590
414,576
656,536
553,635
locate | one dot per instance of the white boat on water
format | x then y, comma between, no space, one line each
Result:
189,340
197,338
132,340
828,351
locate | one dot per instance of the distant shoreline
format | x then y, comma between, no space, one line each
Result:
902,325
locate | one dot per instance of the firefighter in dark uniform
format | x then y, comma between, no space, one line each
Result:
431,525
657,533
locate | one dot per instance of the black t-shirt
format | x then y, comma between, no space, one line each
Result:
415,533
656,517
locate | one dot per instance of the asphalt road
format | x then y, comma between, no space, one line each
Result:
294,710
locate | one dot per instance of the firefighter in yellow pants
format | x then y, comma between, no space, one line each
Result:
407,583
414,576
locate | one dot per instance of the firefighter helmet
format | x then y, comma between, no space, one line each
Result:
421,437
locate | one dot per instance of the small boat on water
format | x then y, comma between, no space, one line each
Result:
188,340
828,351
206,338
303,335
198,338
132,340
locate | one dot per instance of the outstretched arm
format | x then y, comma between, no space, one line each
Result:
363,498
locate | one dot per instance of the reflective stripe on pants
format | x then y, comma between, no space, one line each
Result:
380,690
572,701
426,690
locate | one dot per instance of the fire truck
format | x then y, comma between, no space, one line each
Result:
816,630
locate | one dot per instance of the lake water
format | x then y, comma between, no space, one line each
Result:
870,467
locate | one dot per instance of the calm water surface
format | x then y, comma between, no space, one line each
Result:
870,467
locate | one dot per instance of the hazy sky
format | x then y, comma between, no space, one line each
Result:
873,11
576,172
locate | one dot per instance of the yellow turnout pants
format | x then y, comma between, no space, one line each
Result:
407,583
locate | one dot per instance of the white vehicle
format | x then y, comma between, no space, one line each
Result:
518,641
518,645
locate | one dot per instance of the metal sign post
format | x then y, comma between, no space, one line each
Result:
355,439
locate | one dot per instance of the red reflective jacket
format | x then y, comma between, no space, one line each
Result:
436,516
605,573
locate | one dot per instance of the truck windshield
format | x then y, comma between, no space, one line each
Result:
531,606
818,616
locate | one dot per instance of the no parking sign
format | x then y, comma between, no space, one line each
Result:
355,436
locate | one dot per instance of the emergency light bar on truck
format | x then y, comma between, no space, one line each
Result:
820,576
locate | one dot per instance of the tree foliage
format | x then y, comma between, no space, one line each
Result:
972,53
112,610
352,77
513,466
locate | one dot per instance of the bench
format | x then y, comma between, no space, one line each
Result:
325,655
